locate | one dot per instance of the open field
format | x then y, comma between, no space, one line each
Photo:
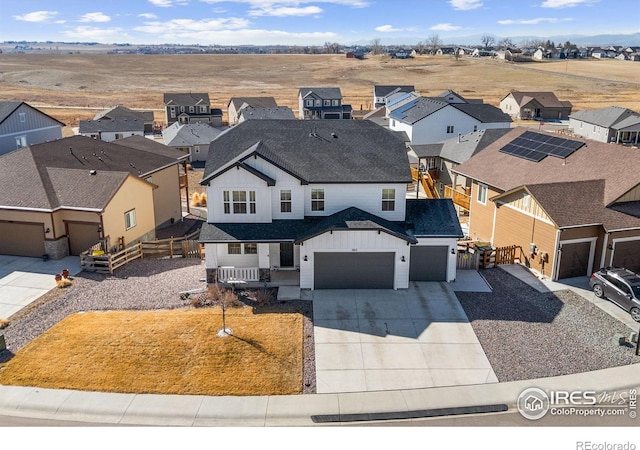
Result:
93,82
165,352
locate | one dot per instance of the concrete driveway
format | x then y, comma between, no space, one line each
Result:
23,280
371,340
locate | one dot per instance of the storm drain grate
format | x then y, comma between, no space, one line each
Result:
417,414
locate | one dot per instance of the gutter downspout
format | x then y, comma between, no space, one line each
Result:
604,249
556,260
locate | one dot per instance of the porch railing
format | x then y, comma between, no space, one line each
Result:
226,273
459,198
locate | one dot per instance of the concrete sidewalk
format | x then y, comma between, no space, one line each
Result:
285,410
24,280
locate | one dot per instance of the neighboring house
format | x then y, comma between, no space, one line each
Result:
121,112
59,198
322,103
554,198
109,130
280,112
535,106
237,104
441,158
191,108
429,120
612,124
192,139
381,92
327,201
22,125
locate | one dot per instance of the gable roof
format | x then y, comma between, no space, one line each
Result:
123,124
279,112
320,151
607,117
121,112
506,172
8,108
149,145
256,102
188,134
328,93
384,90
545,98
187,99
422,107
460,149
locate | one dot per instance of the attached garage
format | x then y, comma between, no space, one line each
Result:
428,263
627,254
366,270
574,260
82,236
22,239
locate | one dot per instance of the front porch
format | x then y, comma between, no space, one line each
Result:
254,276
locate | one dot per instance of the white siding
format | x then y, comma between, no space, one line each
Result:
367,197
355,241
589,130
238,179
223,258
508,105
451,262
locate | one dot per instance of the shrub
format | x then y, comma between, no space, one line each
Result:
203,199
195,199
4,323
216,295
63,283
263,297
189,166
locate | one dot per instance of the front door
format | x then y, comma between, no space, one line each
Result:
286,254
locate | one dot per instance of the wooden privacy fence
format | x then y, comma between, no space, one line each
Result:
467,260
500,255
95,260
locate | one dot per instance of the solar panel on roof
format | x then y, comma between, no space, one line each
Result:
536,146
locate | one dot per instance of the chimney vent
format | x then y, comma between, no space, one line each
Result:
92,172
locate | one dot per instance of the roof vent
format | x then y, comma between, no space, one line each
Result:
71,150
92,172
333,135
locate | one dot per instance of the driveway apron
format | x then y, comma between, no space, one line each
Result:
372,340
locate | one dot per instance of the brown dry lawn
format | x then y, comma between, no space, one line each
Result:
139,81
165,352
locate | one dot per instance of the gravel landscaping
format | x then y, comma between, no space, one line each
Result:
527,334
143,284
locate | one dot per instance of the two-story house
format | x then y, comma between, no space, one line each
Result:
428,120
122,112
535,106
22,125
322,103
191,108
612,124
555,199
327,200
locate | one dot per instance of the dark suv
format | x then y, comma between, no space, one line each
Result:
621,286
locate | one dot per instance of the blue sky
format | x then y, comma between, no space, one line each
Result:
303,22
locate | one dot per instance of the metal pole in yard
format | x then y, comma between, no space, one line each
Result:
638,344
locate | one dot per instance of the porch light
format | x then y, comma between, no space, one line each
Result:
453,251
402,258
48,230
305,258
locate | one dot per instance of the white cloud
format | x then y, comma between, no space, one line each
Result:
465,5
94,34
167,3
564,3
38,16
387,29
148,16
533,21
95,17
285,11
445,27
259,4
188,26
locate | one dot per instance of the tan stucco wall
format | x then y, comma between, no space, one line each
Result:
133,194
28,216
166,197
60,217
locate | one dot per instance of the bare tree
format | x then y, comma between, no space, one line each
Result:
487,40
433,43
505,43
376,48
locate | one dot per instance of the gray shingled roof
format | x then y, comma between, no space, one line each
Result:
507,172
50,175
384,90
149,145
255,102
187,99
458,151
483,112
121,112
604,117
280,112
319,151
187,135
425,218
545,98
422,107
427,150
328,93
111,125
